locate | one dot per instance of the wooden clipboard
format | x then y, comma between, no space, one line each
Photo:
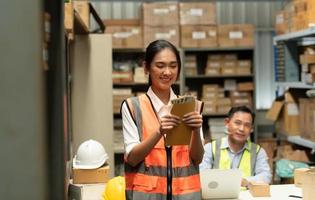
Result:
181,134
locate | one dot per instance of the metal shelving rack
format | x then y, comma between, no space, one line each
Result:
294,40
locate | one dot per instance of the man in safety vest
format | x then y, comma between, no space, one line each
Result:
236,150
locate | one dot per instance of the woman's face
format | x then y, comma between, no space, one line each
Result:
163,70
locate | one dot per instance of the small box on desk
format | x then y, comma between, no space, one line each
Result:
258,189
99,175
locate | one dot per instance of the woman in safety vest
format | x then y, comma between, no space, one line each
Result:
152,169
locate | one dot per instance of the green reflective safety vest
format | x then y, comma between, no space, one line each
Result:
247,162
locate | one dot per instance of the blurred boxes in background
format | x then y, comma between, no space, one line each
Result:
160,21
195,36
236,35
126,33
119,95
197,13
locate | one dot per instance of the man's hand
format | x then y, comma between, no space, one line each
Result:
244,183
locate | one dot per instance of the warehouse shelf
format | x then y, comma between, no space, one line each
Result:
74,23
129,50
217,76
294,85
295,35
220,49
302,141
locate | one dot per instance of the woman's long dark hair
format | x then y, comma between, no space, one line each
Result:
154,48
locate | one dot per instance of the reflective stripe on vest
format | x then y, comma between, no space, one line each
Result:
150,176
222,159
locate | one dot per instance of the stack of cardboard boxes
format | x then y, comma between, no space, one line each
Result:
198,22
160,21
296,15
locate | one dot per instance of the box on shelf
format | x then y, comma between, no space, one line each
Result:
194,36
285,112
245,86
243,67
281,23
307,59
160,14
228,67
99,175
287,152
199,13
122,77
236,35
307,116
212,71
170,33
125,33
83,8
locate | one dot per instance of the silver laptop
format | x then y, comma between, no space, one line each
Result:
220,184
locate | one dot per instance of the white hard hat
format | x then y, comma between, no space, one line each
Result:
90,155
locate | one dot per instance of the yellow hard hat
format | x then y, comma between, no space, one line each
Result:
115,189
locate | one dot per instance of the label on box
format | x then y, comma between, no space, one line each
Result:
135,31
162,36
214,64
236,35
160,11
173,32
198,35
122,34
172,8
304,67
279,19
196,12
212,33
293,109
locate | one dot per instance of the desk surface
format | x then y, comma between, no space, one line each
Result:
278,192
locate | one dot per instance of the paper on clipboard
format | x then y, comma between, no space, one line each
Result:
181,134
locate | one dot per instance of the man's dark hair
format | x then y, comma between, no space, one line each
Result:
244,109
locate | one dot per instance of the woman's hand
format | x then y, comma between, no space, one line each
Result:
168,122
193,120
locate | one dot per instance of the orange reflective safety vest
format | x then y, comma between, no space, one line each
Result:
148,180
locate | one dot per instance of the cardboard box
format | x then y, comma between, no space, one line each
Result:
298,176
197,13
244,67
236,35
281,23
245,86
122,77
160,14
285,112
259,189
125,33
86,191
287,152
99,175
212,71
83,9
170,33
194,36
307,59
308,183
307,117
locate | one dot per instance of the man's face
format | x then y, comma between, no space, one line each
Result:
239,126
